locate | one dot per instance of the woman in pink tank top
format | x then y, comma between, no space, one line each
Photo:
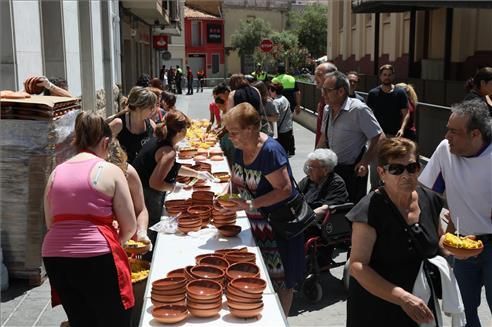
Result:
87,267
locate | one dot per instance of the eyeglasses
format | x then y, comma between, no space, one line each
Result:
398,169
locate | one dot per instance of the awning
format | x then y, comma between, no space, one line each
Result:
377,6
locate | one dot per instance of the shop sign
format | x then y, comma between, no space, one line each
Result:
160,42
214,33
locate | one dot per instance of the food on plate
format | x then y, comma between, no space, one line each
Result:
134,244
140,269
222,176
216,158
461,242
199,158
232,196
202,152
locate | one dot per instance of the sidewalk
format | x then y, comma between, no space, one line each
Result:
25,306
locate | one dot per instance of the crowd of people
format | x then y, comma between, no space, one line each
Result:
126,164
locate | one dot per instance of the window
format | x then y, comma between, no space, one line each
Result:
196,35
215,63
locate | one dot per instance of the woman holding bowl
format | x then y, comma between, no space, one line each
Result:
262,174
385,257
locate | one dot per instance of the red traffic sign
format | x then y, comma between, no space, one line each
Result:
266,45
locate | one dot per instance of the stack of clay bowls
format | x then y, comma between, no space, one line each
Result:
189,223
229,230
176,273
223,177
204,298
170,313
208,272
213,260
204,212
187,153
174,207
202,166
201,185
236,256
202,198
241,270
245,296
169,290
222,217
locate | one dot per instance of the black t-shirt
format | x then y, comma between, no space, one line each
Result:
387,108
145,163
132,143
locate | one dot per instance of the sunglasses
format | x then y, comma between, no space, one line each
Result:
398,169
219,100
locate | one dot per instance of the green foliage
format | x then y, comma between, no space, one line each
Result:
311,28
249,35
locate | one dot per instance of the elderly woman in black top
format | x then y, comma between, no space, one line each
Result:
322,186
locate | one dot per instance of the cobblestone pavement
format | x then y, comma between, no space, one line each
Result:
24,306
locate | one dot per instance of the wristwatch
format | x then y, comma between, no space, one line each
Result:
250,205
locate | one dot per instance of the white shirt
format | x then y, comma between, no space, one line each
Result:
468,185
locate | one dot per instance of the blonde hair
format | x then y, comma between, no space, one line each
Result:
244,114
117,156
412,95
141,98
90,129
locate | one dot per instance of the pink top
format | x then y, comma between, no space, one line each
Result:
214,109
72,192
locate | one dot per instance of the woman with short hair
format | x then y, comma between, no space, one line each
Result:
480,86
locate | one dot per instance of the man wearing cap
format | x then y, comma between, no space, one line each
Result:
259,74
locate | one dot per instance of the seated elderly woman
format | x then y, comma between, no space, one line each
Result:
322,186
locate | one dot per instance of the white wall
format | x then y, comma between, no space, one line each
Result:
72,47
27,38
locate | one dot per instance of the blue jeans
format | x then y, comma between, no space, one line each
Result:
471,275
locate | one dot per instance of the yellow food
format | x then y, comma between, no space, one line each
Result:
461,242
134,244
140,270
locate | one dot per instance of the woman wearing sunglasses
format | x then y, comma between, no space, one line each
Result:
385,257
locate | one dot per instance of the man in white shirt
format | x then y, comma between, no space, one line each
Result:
462,166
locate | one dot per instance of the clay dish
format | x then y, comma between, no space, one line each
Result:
243,305
187,273
217,299
203,306
169,283
176,291
225,251
229,230
216,158
242,269
200,313
224,223
246,313
158,303
231,290
216,152
227,203
203,195
170,314
214,261
167,298
240,257
202,152
204,288
186,230
207,272
252,285
241,299
199,210
199,257
176,273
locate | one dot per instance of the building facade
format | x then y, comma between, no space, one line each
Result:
433,43
204,42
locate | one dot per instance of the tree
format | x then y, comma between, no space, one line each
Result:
249,35
311,28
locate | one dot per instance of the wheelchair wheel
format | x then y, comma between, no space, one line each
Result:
312,289
346,274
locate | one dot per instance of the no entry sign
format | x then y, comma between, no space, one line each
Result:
266,45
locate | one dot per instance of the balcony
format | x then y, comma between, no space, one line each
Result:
149,11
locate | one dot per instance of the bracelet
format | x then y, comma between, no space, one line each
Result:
250,205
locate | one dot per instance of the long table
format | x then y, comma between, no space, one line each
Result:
173,251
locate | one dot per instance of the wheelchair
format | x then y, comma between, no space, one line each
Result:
331,232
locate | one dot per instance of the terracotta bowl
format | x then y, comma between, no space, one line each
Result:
175,203
204,289
176,273
251,313
199,257
225,251
240,257
222,218
207,272
214,261
158,303
225,223
187,273
252,285
200,210
203,195
170,314
31,87
203,306
202,187
227,203
242,269
243,305
193,299
169,283
231,290
241,299
463,252
186,230
176,291
199,313
189,219
186,154
216,158
229,230
168,298
175,211
216,152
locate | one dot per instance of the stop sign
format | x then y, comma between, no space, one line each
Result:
266,45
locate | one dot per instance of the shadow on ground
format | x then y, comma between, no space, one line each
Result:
333,292
16,288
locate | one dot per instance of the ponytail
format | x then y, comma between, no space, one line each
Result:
174,122
161,130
